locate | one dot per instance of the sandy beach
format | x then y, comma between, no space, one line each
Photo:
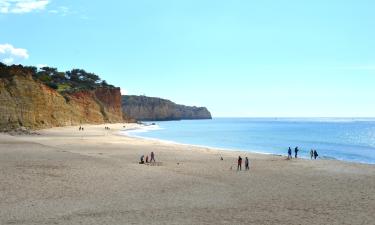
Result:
64,176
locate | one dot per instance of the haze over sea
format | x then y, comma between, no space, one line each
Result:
334,138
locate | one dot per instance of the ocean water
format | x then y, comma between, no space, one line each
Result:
342,139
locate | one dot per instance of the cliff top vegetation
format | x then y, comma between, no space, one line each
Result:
64,82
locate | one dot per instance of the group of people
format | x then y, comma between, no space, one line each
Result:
239,163
107,128
313,153
148,160
295,153
81,128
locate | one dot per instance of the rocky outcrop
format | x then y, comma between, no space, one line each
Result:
25,102
154,109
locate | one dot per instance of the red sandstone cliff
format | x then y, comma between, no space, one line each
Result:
29,103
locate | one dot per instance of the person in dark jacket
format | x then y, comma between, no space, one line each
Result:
152,157
315,154
239,163
296,152
247,164
142,161
289,153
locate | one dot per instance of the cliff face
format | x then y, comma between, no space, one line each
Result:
148,108
28,103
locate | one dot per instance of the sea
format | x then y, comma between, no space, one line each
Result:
347,139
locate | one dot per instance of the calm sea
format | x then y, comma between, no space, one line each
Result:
342,139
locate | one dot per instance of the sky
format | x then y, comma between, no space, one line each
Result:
239,58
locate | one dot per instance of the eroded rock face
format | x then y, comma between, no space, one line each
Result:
154,109
28,103
111,101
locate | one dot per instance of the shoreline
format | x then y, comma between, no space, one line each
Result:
199,146
121,132
125,133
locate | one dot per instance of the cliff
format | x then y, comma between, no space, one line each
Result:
26,102
154,109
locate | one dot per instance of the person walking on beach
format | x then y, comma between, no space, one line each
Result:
315,154
247,164
289,153
152,157
296,152
146,158
239,164
311,154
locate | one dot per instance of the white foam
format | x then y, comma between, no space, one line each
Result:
142,129
133,133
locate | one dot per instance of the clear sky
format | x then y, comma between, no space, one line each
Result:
239,57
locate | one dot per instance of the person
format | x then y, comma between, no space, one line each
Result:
315,154
296,152
239,165
80,128
146,158
289,153
247,164
152,157
142,162
311,153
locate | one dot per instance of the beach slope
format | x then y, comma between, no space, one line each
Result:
65,176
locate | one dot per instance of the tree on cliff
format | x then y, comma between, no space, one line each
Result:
81,79
50,76
9,71
70,81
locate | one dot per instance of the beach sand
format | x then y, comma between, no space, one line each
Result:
65,176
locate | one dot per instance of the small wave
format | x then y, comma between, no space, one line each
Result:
132,134
328,157
142,129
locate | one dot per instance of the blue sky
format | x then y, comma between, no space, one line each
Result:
239,58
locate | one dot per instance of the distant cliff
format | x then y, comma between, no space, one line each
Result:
26,101
149,108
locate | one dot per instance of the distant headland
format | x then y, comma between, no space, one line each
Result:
158,109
